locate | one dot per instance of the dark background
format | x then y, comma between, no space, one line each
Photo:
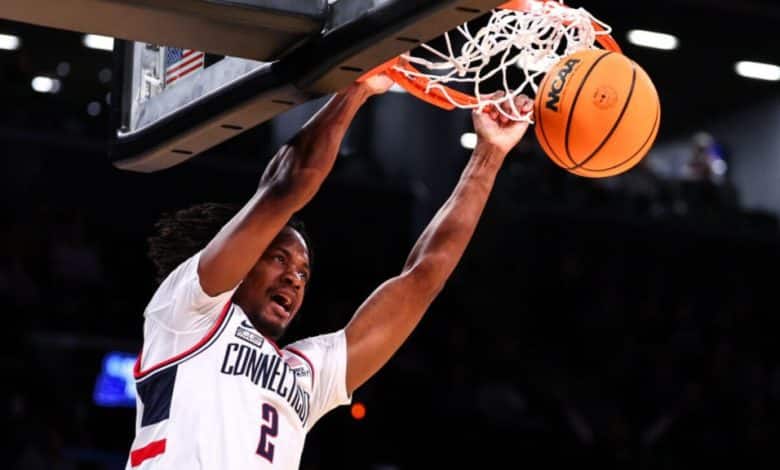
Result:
627,322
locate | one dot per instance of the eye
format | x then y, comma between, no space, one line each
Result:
279,258
303,276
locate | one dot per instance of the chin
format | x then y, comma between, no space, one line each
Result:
268,327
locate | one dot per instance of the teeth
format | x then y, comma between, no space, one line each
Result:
281,300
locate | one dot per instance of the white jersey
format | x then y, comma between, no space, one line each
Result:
214,393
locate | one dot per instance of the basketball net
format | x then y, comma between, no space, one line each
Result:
526,36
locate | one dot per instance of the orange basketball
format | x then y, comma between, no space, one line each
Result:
597,113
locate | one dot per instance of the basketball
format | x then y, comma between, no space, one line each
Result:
596,113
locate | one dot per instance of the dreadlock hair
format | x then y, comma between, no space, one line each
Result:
181,234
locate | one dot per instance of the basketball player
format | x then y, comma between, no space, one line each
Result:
215,391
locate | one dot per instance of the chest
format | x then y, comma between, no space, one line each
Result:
242,367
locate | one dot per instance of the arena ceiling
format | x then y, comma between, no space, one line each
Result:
696,82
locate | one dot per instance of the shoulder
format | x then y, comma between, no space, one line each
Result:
318,344
185,274
318,352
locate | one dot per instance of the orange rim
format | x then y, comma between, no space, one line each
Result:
418,86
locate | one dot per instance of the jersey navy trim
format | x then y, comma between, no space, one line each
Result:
156,393
207,338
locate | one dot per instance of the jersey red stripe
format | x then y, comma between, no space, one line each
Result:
149,451
138,373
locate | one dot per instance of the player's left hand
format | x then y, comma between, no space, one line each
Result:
377,84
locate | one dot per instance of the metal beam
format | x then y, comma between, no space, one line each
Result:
238,30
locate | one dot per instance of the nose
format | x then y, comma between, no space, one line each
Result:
292,278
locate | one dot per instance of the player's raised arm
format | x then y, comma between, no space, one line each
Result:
389,315
290,180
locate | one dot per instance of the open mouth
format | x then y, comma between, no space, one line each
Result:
283,301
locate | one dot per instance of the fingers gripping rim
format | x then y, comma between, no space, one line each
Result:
418,86
384,67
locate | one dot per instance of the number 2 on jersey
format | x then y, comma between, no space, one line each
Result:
267,431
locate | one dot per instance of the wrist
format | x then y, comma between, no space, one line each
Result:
488,152
359,91
488,155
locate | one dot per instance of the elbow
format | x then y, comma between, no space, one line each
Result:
427,275
295,188
289,178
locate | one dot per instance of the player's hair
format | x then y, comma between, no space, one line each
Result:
180,234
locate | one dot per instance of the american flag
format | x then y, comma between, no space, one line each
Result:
180,63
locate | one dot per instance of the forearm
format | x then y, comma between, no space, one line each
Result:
300,167
290,181
389,315
441,245
391,312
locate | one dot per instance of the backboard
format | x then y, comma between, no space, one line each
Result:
161,123
240,62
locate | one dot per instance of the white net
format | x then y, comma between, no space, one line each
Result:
511,53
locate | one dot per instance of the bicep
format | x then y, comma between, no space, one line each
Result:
230,255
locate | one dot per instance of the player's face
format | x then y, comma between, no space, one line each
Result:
272,292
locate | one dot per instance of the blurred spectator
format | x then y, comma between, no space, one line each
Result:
705,182
703,163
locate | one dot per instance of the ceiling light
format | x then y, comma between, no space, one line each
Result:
96,41
653,40
758,70
45,85
9,43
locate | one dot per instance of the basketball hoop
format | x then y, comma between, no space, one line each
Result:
520,42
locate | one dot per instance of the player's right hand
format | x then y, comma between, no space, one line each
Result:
493,128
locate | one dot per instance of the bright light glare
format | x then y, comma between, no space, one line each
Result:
653,40
45,85
468,140
396,88
758,70
96,41
9,43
